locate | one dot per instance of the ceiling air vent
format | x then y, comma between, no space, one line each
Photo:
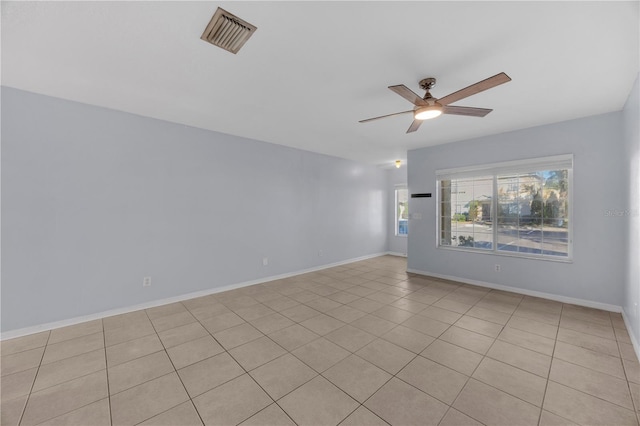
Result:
227,31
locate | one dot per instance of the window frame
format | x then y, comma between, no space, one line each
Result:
396,223
557,162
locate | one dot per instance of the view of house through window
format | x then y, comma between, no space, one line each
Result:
523,211
466,212
402,211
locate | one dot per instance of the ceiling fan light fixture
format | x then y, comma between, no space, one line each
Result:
428,112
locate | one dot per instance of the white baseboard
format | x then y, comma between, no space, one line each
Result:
396,253
634,341
11,334
550,296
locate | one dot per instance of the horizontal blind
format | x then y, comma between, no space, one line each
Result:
556,162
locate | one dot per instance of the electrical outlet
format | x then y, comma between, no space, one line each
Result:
320,254
497,268
265,261
146,282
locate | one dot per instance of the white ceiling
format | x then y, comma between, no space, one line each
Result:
313,69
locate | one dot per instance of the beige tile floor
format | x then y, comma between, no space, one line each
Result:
359,344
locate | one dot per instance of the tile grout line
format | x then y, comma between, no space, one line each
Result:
570,387
449,406
395,376
634,404
106,371
317,373
483,358
594,396
67,381
625,379
291,353
361,404
46,345
377,337
546,385
241,366
548,378
258,384
139,357
26,402
175,370
552,352
496,338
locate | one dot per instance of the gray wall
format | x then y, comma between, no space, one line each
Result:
598,268
395,176
631,114
93,200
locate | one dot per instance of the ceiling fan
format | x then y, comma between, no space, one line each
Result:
429,107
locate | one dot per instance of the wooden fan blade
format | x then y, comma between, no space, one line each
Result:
409,95
384,116
469,111
414,126
481,86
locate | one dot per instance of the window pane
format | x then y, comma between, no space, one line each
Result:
445,239
529,213
402,211
516,201
555,215
465,212
507,238
529,239
556,248
483,237
445,213
532,211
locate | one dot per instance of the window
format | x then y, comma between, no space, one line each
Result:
518,208
402,212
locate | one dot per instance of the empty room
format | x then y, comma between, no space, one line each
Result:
320,213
